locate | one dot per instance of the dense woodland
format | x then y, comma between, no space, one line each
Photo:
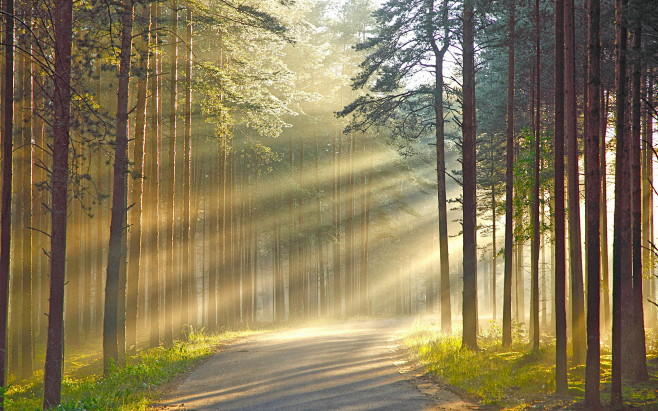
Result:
170,166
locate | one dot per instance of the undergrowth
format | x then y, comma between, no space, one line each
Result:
517,377
131,387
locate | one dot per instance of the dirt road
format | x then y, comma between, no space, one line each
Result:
357,365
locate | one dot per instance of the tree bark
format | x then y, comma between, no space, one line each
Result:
509,182
27,346
592,205
152,241
350,274
534,317
621,252
5,194
365,234
439,56
469,182
136,194
189,310
337,300
63,15
171,286
575,253
561,385
647,199
605,274
116,257
635,360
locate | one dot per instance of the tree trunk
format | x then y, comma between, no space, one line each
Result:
365,232
279,286
469,182
635,360
116,256
169,208
605,274
439,55
647,200
5,195
153,188
575,254
72,302
337,300
534,311
621,252
322,303
63,15
561,385
189,308
509,183
592,205
349,228
137,189
29,266
494,244
214,264
100,214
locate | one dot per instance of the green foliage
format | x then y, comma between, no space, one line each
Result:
132,387
524,178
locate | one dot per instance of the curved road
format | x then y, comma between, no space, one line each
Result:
357,365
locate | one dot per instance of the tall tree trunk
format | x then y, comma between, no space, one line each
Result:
561,385
468,170
439,55
293,272
647,199
349,227
621,252
100,215
169,202
592,205
27,351
338,298
322,303
279,289
544,290
136,195
605,275
214,266
116,257
63,15
635,360
152,241
5,194
509,183
72,303
188,284
534,311
575,254
365,221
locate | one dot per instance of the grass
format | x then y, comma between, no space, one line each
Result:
517,377
132,387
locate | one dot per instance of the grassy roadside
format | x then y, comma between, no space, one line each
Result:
130,388
517,378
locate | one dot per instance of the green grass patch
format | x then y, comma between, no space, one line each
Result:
516,377
132,387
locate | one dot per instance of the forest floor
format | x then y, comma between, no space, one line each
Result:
145,375
395,364
517,377
355,365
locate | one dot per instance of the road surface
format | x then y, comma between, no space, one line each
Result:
357,365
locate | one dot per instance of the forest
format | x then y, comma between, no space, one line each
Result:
173,168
